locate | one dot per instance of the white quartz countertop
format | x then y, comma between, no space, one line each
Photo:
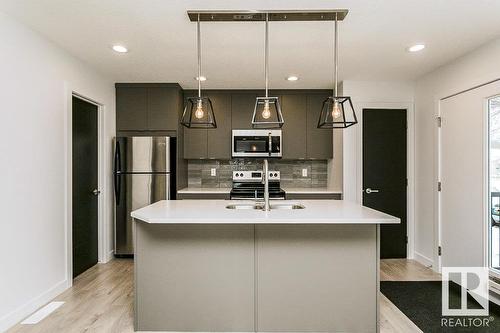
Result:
215,212
291,190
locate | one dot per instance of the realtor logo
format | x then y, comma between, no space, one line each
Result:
474,281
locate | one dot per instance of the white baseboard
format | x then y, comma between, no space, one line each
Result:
31,306
424,260
110,255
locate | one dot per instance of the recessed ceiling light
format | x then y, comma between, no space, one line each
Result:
120,49
202,78
292,78
416,48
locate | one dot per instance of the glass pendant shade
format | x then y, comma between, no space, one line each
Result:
199,113
337,112
267,113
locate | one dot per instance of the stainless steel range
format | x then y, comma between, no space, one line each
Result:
249,185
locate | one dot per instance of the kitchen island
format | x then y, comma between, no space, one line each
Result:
200,266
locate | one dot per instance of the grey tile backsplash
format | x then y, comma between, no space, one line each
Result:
199,172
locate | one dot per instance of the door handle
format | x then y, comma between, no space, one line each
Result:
96,192
371,190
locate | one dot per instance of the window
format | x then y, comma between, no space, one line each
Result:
494,181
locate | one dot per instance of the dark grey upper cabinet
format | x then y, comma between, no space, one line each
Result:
294,108
163,106
319,141
219,139
147,106
131,108
242,105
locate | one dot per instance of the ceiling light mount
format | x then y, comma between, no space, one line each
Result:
272,15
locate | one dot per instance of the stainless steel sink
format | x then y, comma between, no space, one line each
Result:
288,206
261,206
244,206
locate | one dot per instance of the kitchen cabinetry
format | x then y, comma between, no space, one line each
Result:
319,141
294,108
147,107
219,139
131,105
213,143
242,106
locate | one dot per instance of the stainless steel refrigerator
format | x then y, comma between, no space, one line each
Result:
144,172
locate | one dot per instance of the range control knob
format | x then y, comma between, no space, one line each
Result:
241,174
275,175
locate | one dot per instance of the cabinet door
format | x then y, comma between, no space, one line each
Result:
319,141
294,109
163,103
242,105
195,141
131,109
219,139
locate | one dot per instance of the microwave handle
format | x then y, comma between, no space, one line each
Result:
270,144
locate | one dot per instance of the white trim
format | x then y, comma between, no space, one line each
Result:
102,233
426,261
410,172
31,306
42,313
485,185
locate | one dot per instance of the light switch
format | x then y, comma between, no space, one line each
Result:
213,172
304,172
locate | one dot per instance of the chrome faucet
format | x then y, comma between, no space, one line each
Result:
265,180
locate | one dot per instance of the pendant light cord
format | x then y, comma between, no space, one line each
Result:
336,57
267,54
198,42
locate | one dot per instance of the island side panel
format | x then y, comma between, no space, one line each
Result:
194,277
317,278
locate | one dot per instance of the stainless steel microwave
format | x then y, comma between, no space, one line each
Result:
256,143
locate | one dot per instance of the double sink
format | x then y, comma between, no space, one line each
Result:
260,206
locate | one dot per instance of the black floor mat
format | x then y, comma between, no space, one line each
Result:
420,301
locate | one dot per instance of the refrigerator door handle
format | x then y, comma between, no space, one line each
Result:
116,174
167,187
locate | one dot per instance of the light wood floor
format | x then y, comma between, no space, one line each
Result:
101,300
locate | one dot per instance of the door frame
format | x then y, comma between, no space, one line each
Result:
102,232
485,167
410,169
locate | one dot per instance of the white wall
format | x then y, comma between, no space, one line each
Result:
368,94
34,77
478,67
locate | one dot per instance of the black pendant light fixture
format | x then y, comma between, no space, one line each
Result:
199,112
267,111
337,111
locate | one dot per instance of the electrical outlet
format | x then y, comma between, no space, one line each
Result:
213,172
304,172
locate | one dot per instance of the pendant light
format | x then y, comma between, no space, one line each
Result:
199,112
267,111
337,112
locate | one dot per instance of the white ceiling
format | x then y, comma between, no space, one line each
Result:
162,44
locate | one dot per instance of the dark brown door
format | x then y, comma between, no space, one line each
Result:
85,192
384,174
